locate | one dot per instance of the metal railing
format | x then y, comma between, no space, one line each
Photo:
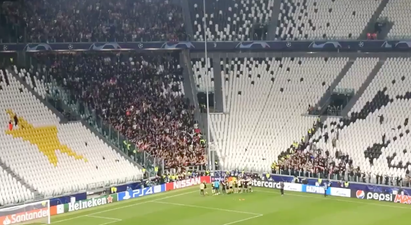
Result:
150,163
344,91
363,178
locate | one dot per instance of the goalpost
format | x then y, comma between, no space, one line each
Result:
30,213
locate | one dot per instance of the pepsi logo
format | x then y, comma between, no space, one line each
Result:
360,194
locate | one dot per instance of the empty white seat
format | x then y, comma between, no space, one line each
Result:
11,190
397,13
263,102
326,19
359,71
377,135
230,20
202,74
53,157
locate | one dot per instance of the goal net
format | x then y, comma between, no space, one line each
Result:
31,213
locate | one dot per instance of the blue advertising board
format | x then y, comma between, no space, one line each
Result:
81,196
125,195
125,187
281,46
315,189
67,198
219,175
353,185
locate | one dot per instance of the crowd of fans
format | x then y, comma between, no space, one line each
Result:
140,95
306,160
91,21
316,161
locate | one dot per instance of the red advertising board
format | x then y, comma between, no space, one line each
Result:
22,217
403,199
187,182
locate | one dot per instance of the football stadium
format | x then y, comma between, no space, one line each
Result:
205,112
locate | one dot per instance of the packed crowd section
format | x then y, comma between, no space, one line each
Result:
138,94
305,158
90,21
313,160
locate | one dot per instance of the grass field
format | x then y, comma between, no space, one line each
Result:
263,207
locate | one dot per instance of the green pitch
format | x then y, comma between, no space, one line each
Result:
263,207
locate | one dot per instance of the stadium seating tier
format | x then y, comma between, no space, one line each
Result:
202,73
140,95
263,100
91,21
326,19
229,20
62,157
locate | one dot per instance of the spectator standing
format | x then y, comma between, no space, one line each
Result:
10,126
94,20
16,120
140,95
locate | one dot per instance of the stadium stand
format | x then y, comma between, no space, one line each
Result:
202,73
90,21
142,97
358,73
39,141
11,190
382,108
397,13
230,20
141,94
329,19
264,102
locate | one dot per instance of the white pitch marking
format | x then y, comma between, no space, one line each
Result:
255,215
210,208
114,221
341,199
103,217
246,219
122,207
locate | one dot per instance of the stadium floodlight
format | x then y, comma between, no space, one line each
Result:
30,213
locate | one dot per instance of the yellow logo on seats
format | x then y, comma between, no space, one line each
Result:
44,137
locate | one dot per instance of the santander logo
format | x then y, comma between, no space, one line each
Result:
6,221
360,194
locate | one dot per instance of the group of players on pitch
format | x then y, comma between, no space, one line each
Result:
227,187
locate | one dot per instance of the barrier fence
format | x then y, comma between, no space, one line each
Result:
283,46
360,178
366,191
353,190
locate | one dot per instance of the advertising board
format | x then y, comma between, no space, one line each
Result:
90,203
340,192
368,195
23,217
125,195
306,46
378,188
403,199
276,185
187,182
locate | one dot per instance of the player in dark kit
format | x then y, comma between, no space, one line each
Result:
245,185
282,188
224,187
